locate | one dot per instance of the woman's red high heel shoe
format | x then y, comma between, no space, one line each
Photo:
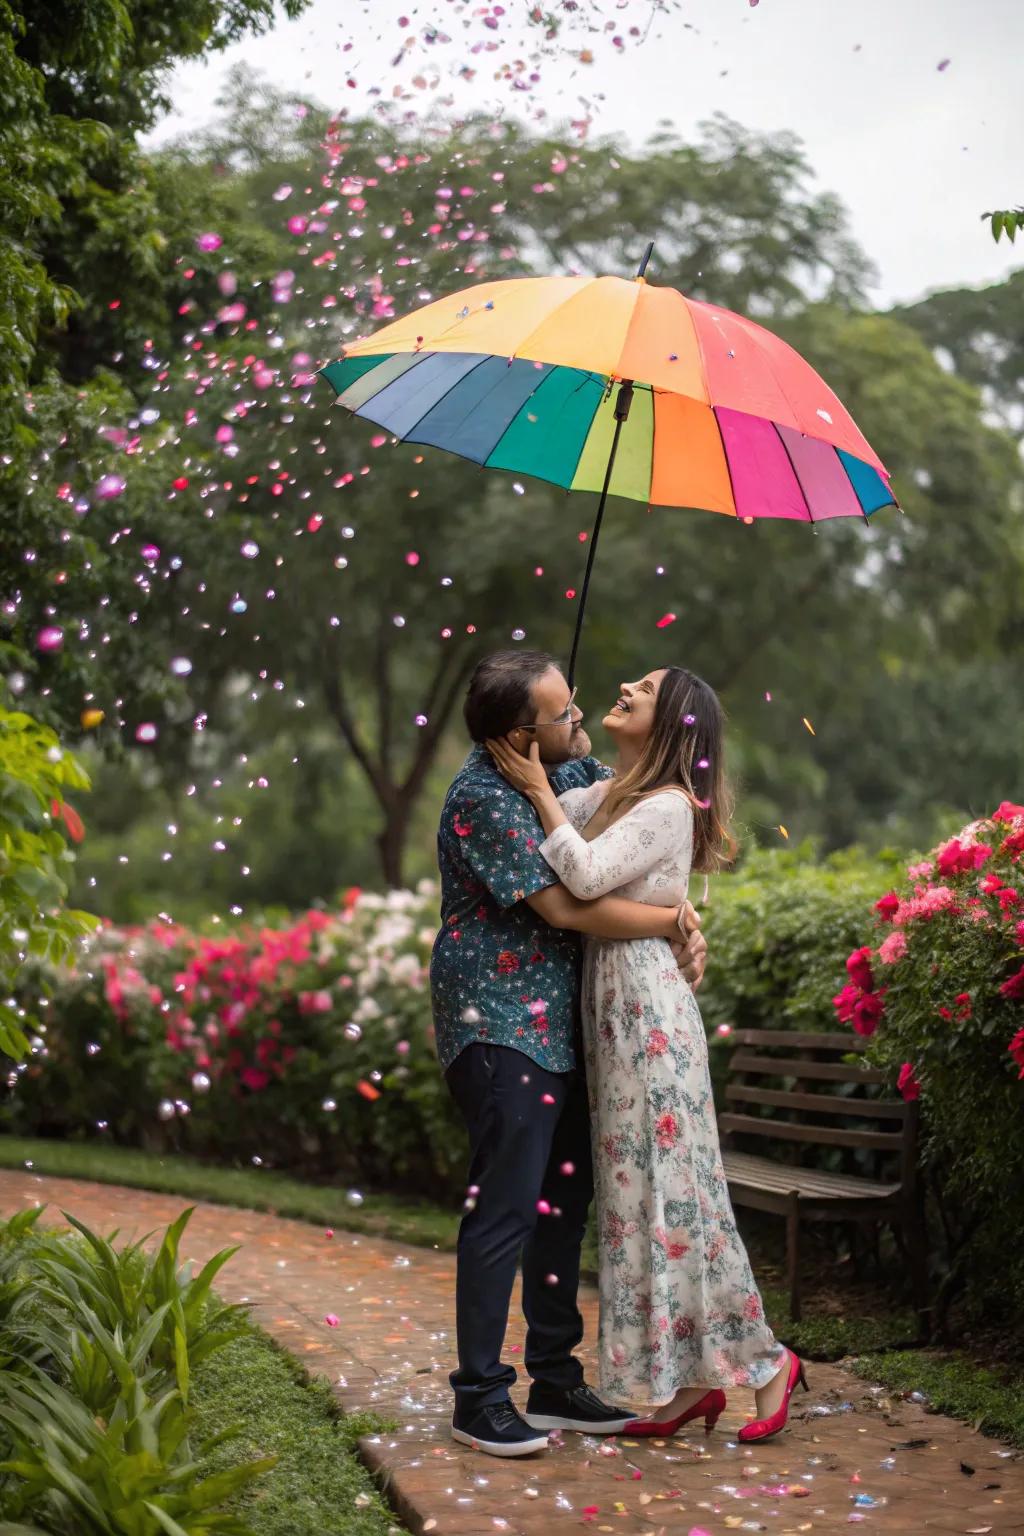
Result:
764,1429
710,1408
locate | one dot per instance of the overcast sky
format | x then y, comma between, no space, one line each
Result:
915,151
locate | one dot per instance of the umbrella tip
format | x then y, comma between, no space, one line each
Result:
646,258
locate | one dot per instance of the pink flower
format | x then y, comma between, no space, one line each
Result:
253,1078
667,1131
955,857
752,1307
887,905
920,871
907,1083
893,947
1019,931
990,884
657,1043
845,1001
867,1012
858,966
1013,987
933,900
1016,1050
1007,811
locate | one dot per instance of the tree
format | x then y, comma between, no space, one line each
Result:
79,211
441,578
979,332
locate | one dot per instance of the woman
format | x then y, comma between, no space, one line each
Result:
681,1315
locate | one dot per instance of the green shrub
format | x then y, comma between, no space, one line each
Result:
306,1046
35,860
938,985
234,1047
98,1349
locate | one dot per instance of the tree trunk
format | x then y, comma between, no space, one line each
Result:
391,841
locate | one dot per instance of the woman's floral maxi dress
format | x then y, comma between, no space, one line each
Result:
679,1305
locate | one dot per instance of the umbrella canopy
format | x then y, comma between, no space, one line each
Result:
518,375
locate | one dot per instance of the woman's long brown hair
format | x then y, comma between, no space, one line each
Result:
685,750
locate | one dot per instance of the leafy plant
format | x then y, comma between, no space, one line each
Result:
35,771
1006,221
99,1348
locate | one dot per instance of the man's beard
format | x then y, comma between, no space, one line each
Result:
579,745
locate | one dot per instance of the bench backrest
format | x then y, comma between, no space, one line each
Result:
795,1087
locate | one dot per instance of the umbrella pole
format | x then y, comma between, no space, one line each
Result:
622,404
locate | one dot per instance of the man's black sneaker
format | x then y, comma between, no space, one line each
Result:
499,1429
580,1409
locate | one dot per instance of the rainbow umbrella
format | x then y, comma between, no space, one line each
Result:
710,410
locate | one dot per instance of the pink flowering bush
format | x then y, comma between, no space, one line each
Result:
940,992
307,1046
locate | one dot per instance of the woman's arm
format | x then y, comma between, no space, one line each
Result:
628,848
612,917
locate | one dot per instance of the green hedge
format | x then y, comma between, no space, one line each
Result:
309,1046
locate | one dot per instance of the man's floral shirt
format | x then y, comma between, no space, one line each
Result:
499,974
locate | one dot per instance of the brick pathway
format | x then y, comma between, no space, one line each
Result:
852,1456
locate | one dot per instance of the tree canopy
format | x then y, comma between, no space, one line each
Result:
237,571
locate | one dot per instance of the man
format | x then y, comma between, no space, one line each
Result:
505,992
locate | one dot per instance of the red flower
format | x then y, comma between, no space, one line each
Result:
888,905
907,1083
953,858
350,897
858,966
963,1005
253,1078
462,828
683,1327
1014,843
1013,987
845,1001
508,962
990,884
666,1130
867,1012
1008,812
1016,1050
657,1043
1020,933
1007,898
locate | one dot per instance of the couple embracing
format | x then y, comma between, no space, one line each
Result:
563,982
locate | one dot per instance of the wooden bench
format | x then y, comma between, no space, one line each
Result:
796,1089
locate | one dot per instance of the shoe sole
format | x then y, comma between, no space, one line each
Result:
501,1447
581,1426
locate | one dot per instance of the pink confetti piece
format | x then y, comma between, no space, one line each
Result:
665,620
332,1320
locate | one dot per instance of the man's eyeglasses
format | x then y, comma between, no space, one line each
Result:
565,718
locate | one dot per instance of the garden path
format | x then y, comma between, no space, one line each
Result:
852,1455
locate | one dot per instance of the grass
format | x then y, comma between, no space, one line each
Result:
318,1487
956,1385
403,1220
839,1319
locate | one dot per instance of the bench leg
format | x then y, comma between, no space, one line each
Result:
793,1255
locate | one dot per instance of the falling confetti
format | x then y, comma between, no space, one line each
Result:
808,724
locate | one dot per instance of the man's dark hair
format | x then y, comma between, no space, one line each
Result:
500,692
